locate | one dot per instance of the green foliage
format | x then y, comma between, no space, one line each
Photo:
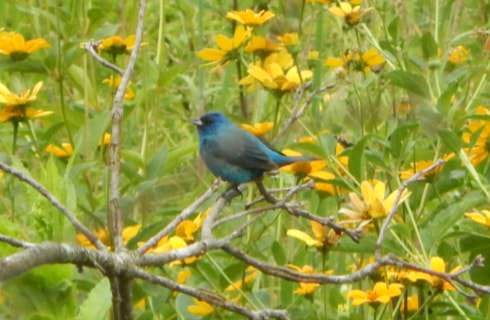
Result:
420,104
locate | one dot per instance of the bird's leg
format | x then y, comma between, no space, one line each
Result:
231,192
263,191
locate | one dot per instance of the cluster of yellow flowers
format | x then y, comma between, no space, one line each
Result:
275,69
384,292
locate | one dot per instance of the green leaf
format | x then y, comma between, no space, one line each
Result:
181,303
399,135
411,82
156,166
450,140
394,27
429,45
367,244
97,303
356,158
278,253
442,221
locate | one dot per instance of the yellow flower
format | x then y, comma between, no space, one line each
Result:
130,232
226,46
481,147
412,303
200,308
482,217
305,288
323,237
16,106
421,165
458,55
106,139
352,15
114,82
313,55
307,139
404,107
258,129
381,293
65,151
183,275
289,39
260,44
323,185
140,304
302,167
167,244
436,264
374,204
115,45
319,1
101,234
17,48
251,274
187,228
276,73
249,17
373,60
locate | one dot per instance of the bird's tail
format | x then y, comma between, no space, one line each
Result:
289,160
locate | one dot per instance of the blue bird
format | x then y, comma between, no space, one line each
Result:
234,154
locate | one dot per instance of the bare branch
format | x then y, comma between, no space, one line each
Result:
417,176
16,242
79,226
209,297
184,214
298,108
362,273
294,210
91,47
115,216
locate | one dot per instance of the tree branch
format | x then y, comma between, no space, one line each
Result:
211,298
79,226
396,204
298,108
115,214
184,214
15,242
91,47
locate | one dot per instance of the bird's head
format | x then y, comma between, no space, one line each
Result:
210,122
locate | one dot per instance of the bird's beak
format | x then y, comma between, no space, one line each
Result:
197,122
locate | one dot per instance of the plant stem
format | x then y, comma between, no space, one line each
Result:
14,136
160,33
60,78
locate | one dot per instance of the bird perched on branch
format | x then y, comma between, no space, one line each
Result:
234,154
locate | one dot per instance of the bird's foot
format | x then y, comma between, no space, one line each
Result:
263,191
231,192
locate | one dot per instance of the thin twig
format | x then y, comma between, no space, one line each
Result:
184,214
115,214
16,242
416,177
91,47
358,275
298,108
79,226
209,297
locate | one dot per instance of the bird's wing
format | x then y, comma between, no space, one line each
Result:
241,149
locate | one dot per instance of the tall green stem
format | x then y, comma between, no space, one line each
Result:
60,78
14,136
